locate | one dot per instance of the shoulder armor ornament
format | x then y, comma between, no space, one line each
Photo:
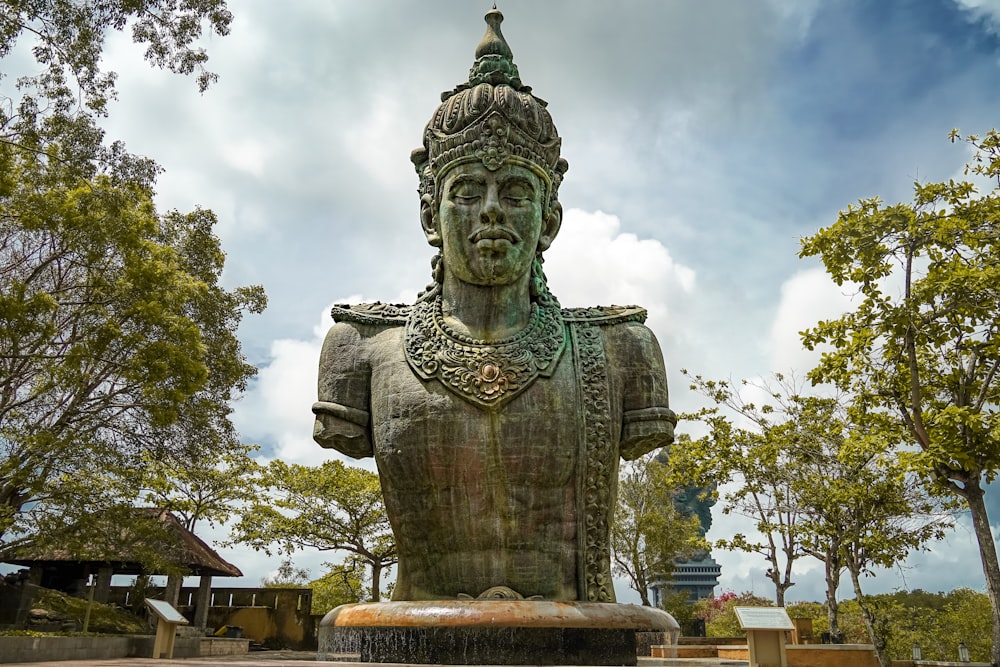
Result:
605,315
377,313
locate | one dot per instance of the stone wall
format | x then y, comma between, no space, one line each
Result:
810,655
275,617
39,649
831,655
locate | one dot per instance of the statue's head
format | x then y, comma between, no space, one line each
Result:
490,170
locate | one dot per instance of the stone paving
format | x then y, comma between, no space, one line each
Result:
297,659
254,659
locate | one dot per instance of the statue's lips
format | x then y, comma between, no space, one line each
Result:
495,234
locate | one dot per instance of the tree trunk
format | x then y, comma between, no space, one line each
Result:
833,569
774,574
988,553
871,622
376,581
643,587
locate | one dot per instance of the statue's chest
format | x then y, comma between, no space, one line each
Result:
425,434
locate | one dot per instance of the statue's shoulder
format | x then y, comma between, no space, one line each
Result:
605,315
375,314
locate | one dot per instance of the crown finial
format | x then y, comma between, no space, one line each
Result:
494,59
493,41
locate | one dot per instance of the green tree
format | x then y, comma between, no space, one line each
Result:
719,612
861,509
922,343
330,507
343,583
118,343
936,622
115,329
200,482
855,506
648,532
287,576
54,109
885,514
758,458
69,37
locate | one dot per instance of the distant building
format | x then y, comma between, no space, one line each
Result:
698,578
699,575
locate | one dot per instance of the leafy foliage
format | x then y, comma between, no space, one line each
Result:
327,507
104,618
287,576
69,40
921,351
119,344
934,621
719,612
117,333
818,485
200,482
648,532
343,583
760,458
54,117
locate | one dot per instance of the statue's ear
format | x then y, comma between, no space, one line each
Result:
429,222
550,227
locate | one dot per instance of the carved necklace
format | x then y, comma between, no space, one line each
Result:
483,373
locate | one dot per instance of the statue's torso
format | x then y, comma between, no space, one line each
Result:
515,493
478,497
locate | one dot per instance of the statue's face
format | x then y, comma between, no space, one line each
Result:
491,223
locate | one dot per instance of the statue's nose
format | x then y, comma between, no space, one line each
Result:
492,212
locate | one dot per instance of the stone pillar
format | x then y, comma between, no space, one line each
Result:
202,601
102,587
173,589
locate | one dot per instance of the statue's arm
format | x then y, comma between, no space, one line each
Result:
344,383
647,420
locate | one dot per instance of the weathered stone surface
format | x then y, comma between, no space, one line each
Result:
496,418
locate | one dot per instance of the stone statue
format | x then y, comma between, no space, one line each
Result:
496,418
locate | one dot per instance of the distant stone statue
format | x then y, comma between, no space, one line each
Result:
496,418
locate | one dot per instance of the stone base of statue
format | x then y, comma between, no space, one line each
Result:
490,632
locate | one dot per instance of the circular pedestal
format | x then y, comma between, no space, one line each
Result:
490,632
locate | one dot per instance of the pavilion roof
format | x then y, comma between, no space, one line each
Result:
179,547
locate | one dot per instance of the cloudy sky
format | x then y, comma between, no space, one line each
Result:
704,140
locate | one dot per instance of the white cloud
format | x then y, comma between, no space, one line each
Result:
275,411
592,262
373,142
806,298
246,155
988,9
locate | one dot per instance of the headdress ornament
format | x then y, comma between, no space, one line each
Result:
493,118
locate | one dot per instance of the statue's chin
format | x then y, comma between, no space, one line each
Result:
499,277
496,269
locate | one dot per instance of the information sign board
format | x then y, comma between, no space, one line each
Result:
764,618
166,612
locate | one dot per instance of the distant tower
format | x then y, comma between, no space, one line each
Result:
699,575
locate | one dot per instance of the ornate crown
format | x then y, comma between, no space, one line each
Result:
493,119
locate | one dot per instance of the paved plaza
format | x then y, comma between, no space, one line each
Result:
301,659
255,659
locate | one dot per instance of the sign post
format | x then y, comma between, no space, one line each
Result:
167,621
765,628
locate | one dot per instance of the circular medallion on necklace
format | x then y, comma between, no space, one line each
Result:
484,373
